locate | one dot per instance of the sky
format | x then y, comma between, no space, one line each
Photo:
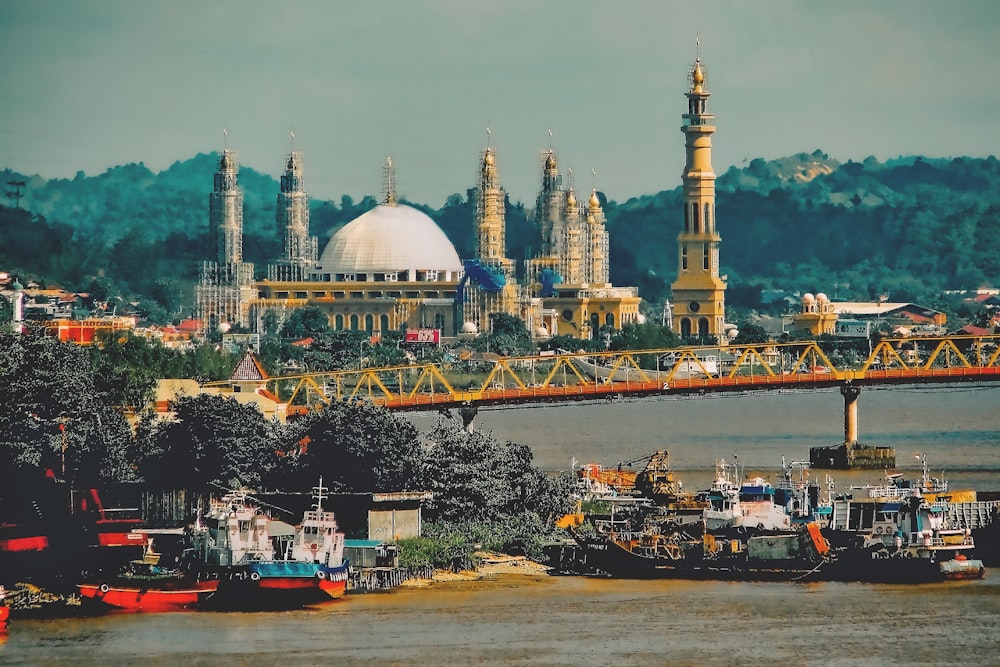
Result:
90,84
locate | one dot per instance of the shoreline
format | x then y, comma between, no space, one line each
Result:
492,566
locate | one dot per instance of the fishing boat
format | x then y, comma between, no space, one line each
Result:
260,568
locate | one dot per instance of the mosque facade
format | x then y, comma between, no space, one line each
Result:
394,269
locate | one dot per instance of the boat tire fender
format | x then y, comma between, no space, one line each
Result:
741,530
255,576
320,574
105,588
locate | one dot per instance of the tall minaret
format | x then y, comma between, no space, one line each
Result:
549,205
293,213
597,242
699,293
226,210
490,215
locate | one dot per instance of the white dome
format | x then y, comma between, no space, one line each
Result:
808,299
470,328
822,298
389,239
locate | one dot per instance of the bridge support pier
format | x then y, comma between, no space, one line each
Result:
468,414
850,393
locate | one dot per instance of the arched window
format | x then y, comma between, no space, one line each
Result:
370,324
439,322
685,327
338,322
595,325
687,220
684,258
694,217
703,327
383,324
708,211
354,322
609,319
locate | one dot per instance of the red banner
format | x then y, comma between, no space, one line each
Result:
423,336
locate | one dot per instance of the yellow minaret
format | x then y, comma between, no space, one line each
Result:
699,292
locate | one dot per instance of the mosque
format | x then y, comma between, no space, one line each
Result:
394,269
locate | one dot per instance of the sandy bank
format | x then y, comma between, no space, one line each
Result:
491,565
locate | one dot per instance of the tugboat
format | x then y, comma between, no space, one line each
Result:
258,570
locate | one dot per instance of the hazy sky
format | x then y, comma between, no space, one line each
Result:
91,84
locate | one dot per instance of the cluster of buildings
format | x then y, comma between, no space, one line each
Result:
394,269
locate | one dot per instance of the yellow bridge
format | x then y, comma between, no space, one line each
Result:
608,375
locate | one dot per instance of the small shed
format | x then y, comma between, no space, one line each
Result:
396,516
371,553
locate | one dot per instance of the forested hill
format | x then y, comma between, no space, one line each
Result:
908,227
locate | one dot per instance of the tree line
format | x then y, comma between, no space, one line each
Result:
61,410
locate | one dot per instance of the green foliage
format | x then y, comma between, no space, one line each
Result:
475,477
304,322
910,227
355,446
54,413
751,334
645,336
212,439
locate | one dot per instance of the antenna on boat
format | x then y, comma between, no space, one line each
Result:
319,493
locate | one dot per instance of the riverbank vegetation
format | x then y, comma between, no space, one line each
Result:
60,410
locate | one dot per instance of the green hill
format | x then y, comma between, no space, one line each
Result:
910,227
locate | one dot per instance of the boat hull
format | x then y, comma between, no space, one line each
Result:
280,585
618,561
150,597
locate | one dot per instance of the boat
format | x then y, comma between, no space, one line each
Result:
260,567
796,555
49,540
145,587
749,505
912,545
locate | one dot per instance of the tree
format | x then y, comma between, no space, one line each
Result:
212,439
475,477
54,414
355,446
751,334
645,336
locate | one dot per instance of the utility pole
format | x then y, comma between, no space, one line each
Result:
16,192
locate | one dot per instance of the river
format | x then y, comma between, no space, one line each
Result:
525,620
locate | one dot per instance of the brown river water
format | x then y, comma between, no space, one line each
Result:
542,620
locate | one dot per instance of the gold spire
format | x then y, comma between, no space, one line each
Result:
697,78
595,201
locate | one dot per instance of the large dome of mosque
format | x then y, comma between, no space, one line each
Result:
389,238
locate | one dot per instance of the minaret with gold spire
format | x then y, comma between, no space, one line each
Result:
597,242
491,240
698,293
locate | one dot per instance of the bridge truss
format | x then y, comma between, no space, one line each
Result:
607,375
